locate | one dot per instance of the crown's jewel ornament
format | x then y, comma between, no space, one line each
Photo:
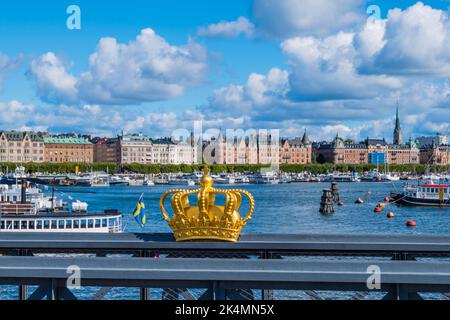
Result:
206,220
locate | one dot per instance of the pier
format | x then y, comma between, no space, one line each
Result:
253,268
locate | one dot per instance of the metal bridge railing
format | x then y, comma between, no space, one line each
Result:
298,249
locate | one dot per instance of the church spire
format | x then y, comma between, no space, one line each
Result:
398,138
305,139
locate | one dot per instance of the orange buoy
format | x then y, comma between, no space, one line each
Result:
340,203
387,199
377,209
411,223
390,215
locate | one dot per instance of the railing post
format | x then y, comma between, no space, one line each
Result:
218,293
23,290
145,292
265,293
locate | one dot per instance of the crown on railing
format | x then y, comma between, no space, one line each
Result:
206,221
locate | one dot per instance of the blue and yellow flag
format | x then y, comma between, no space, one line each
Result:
139,212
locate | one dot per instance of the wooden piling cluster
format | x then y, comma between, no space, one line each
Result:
335,192
326,202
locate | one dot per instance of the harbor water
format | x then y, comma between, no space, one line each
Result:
283,208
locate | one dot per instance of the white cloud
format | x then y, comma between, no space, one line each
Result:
370,40
146,69
259,92
289,18
228,29
15,113
416,41
7,64
325,69
162,122
54,83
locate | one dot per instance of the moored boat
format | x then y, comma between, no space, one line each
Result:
27,209
427,194
265,178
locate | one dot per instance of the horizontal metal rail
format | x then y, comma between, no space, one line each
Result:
266,244
400,279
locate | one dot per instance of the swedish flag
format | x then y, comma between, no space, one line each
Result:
139,212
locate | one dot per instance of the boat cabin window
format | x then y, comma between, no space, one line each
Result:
76,224
68,224
83,224
39,224
97,223
24,225
104,223
31,225
112,222
90,223
16,225
46,224
60,224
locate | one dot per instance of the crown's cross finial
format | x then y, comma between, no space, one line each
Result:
205,170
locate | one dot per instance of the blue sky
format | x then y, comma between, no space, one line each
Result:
234,64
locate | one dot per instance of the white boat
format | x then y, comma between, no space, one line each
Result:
99,183
181,182
224,179
13,177
109,221
387,175
40,202
371,176
426,194
265,178
343,178
119,181
285,179
29,210
390,177
241,179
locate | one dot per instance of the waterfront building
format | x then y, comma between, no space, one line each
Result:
232,150
258,149
141,149
106,150
426,141
21,146
171,151
134,148
435,154
369,151
61,149
296,151
268,149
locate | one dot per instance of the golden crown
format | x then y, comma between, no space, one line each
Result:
206,221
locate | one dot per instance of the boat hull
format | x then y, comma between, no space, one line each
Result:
402,200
